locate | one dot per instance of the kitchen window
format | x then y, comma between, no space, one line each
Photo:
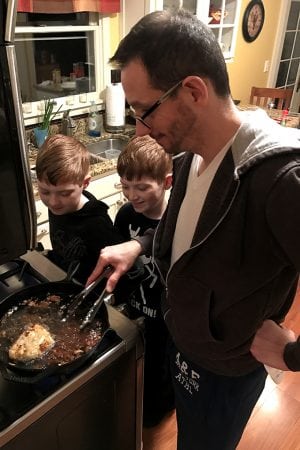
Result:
60,58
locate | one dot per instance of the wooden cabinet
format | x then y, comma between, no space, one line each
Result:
220,15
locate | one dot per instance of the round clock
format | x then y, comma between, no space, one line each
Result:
253,20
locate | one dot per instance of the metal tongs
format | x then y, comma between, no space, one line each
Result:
78,298
90,316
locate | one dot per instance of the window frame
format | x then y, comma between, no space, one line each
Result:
99,27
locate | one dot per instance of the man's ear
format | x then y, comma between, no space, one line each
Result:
86,181
197,87
168,181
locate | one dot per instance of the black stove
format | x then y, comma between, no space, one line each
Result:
18,398
17,274
36,410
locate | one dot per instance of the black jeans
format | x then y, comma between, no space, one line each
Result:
212,410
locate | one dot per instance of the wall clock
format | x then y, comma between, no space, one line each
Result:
253,20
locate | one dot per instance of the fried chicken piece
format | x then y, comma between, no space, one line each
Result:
31,344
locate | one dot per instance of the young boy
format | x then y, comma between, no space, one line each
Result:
145,171
79,223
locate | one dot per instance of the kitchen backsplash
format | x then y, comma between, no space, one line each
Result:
81,130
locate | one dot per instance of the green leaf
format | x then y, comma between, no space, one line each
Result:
49,114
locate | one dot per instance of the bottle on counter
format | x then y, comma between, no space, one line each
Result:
115,104
94,121
283,117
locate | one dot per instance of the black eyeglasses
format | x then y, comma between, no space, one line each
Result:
158,102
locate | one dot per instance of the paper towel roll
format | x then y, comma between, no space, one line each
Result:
115,107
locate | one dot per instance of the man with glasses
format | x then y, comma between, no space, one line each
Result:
227,247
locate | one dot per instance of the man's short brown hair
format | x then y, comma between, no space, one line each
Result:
62,159
143,156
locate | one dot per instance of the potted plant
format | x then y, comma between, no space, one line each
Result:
42,131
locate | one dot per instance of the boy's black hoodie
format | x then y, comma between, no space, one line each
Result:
80,235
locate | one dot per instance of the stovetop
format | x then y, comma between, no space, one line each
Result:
17,274
17,398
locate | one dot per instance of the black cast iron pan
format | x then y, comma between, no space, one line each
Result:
14,310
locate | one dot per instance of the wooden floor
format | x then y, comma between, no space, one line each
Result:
275,421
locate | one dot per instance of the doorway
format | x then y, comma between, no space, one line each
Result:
285,72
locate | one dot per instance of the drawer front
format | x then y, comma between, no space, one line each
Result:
106,186
114,202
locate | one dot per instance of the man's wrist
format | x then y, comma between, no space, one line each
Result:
143,243
139,244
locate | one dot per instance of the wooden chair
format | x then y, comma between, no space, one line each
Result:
281,98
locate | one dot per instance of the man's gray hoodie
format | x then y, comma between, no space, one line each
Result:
242,267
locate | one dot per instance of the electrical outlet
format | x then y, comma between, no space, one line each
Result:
267,66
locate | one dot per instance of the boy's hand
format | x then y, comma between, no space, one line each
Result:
121,257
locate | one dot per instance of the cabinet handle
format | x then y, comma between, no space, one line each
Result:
120,203
38,214
118,186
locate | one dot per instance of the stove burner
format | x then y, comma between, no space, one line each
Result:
15,275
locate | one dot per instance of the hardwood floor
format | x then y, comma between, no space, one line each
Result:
163,436
274,423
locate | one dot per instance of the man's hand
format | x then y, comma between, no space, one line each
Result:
269,343
121,257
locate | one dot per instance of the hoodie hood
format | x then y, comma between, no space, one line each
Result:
93,207
259,137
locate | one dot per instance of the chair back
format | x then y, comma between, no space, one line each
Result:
265,96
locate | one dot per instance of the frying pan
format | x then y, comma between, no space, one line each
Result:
29,372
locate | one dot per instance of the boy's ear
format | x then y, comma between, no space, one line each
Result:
168,181
86,181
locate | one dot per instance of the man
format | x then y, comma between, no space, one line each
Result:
227,246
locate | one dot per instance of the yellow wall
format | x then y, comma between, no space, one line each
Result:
247,69
114,33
